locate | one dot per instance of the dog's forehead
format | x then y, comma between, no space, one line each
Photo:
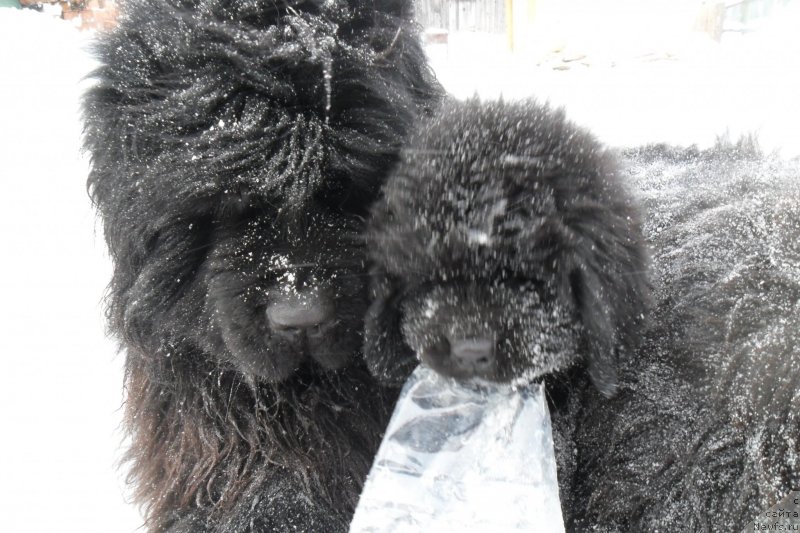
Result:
466,167
470,218
278,242
488,187
473,200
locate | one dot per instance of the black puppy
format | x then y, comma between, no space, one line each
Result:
506,247
235,149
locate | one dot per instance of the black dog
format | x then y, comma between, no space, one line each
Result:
505,247
705,432
235,149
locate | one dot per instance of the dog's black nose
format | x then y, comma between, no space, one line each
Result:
299,312
473,354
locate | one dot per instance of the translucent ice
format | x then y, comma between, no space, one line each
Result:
463,457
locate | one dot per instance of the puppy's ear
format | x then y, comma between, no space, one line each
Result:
599,331
387,355
612,301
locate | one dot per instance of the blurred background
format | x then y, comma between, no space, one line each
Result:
634,71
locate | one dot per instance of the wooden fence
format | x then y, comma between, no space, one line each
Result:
463,15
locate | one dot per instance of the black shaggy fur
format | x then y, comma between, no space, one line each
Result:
704,434
505,222
235,148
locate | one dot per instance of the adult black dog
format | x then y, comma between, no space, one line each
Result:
506,247
235,149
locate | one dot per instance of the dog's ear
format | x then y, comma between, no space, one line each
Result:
387,355
612,296
599,331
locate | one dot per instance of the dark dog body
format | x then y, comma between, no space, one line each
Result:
521,257
235,149
705,432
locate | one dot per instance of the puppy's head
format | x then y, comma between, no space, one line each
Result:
504,248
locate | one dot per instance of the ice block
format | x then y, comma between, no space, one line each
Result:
475,457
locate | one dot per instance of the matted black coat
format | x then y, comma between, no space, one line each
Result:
235,149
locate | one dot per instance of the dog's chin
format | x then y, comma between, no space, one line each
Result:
277,357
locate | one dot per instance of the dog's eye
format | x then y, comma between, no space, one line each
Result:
510,278
506,276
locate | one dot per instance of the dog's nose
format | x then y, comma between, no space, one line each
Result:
473,354
299,312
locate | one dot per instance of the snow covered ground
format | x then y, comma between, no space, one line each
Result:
60,387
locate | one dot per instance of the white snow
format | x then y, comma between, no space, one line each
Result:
61,382
631,87
478,237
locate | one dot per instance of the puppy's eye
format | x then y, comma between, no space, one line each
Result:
507,276
522,282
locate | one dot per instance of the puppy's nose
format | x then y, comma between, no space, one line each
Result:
476,354
299,312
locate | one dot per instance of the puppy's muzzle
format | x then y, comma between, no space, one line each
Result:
473,354
462,357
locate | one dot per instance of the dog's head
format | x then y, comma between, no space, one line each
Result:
234,149
262,291
505,248
283,291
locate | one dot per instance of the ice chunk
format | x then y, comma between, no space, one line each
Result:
463,457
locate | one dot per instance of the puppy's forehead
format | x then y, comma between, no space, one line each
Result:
481,151
487,186
463,230
470,179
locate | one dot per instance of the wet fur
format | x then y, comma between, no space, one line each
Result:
498,206
235,148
